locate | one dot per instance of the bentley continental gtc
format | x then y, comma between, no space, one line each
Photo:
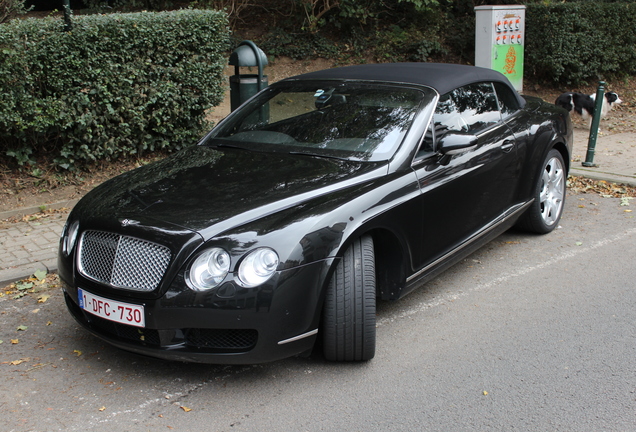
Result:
323,193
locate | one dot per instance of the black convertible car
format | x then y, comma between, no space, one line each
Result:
321,194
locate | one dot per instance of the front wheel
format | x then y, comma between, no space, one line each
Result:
549,196
349,313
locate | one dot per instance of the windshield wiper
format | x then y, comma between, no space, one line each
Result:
223,145
319,155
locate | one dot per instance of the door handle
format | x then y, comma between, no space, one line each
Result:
507,145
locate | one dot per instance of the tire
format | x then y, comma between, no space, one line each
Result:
549,196
349,314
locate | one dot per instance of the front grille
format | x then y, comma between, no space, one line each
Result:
121,261
227,339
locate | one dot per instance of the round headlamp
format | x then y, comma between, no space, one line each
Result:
258,266
209,269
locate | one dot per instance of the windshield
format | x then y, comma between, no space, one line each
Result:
347,120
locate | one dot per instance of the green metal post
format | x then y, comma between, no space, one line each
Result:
596,120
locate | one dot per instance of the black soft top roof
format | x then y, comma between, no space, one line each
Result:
442,77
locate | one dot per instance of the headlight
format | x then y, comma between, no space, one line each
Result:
258,266
209,269
69,237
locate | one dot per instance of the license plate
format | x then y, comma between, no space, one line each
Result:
111,310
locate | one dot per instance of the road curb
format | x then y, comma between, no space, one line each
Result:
24,211
10,275
596,174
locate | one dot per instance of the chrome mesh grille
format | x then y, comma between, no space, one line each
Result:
121,261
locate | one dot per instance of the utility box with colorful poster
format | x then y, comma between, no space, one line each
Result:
499,40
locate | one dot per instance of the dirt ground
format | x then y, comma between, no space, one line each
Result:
23,189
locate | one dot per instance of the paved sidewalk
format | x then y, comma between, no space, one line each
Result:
30,246
614,155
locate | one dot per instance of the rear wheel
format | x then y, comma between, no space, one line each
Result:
349,313
549,196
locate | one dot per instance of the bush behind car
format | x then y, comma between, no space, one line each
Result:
116,85
577,42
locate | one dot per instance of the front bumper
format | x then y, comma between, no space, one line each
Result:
207,332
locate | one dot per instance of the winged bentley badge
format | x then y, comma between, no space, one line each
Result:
127,222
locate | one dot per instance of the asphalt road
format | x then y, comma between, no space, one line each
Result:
531,333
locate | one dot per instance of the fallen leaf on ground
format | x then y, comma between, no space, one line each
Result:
40,274
22,328
186,409
43,298
22,286
103,408
78,352
15,341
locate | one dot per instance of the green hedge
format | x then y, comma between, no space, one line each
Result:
571,43
116,85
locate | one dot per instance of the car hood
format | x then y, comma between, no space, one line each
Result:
212,190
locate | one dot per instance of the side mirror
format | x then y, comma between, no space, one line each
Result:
453,143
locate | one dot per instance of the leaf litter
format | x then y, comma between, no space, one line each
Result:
601,187
37,285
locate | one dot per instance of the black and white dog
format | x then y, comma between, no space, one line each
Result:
584,105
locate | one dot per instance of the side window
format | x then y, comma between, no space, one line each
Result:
508,102
471,108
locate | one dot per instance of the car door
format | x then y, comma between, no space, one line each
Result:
464,193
